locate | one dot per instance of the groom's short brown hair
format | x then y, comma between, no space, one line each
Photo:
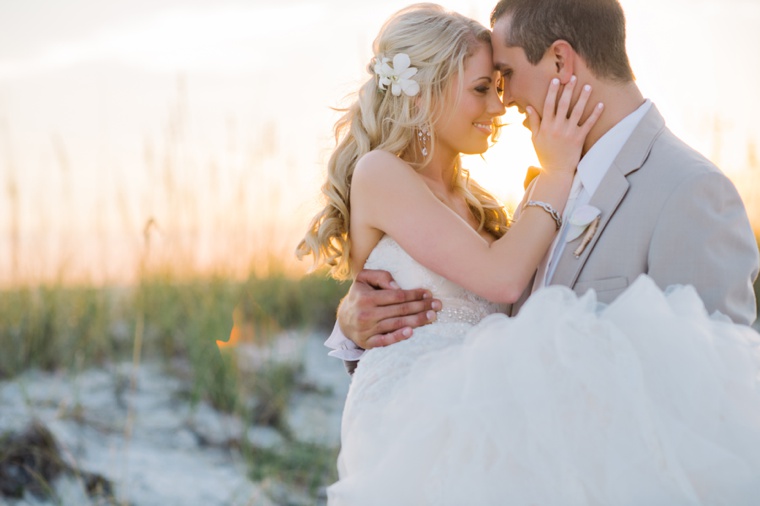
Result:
594,28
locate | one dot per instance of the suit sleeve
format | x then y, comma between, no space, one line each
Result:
705,228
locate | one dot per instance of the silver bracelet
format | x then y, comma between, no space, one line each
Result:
548,208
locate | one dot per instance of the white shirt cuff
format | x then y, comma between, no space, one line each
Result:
343,348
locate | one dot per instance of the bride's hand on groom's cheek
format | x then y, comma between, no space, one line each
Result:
376,312
559,133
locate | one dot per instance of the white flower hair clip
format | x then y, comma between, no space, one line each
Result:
585,218
398,76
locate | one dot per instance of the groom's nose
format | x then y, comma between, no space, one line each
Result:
506,97
496,105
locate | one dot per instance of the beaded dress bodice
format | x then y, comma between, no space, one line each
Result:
459,305
381,368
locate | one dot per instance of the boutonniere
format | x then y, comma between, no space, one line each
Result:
585,218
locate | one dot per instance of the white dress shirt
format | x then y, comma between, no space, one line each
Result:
342,347
591,170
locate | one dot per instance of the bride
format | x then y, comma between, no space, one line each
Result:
645,401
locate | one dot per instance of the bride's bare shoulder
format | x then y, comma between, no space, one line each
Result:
380,163
379,172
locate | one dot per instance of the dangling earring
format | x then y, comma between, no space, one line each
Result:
423,134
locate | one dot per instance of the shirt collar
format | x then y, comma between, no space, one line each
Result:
597,161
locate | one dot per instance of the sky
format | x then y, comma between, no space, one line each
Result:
212,120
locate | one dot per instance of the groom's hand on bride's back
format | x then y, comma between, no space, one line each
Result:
376,312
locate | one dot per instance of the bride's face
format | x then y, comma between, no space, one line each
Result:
469,109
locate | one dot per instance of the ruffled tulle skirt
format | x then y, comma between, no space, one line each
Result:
647,401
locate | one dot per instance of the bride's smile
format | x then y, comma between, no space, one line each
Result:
486,128
467,115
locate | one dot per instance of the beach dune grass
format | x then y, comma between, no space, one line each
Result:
180,321
54,326
59,326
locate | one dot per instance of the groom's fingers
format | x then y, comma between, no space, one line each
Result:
380,340
411,320
383,325
377,279
367,313
398,298
406,309
393,330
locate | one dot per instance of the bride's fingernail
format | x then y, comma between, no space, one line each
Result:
587,88
573,79
394,285
436,306
406,332
430,315
555,81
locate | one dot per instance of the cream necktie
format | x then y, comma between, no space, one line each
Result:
552,256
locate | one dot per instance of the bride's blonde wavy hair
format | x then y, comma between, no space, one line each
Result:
438,42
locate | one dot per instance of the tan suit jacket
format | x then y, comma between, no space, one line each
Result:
668,212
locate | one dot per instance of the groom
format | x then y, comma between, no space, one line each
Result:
663,209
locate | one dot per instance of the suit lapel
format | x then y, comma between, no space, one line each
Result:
607,198
610,193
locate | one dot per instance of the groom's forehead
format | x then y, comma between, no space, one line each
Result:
500,29
506,55
499,38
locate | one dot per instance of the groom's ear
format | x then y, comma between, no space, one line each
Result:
563,56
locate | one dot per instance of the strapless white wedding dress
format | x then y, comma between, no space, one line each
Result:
647,401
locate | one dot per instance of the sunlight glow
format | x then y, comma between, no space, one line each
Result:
228,39
502,168
214,120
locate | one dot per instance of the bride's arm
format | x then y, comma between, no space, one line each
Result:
388,195
392,198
